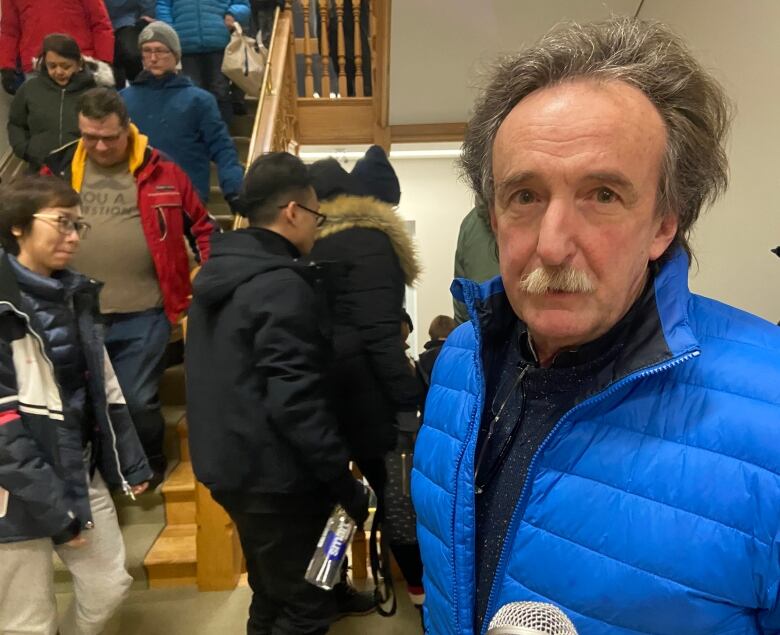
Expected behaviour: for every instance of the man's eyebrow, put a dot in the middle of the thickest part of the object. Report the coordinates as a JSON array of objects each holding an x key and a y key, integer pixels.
[
  {"x": 616, "y": 179},
  {"x": 519, "y": 178}
]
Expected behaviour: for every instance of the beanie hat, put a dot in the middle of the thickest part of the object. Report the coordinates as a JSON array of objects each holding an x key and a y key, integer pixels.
[
  {"x": 163, "y": 33},
  {"x": 330, "y": 179},
  {"x": 378, "y": 176}
]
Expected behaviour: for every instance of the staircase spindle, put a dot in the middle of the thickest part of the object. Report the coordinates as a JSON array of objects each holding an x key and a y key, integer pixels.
[
  {"x": 342, "y": 57},
  {"x": 358, "y": 40},
  {"x": 324, "y": 48},
  {"x": 309, "y": 76}
]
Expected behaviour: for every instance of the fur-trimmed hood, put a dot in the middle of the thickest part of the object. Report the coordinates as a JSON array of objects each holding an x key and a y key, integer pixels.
[{"x": 345, "y": 212}]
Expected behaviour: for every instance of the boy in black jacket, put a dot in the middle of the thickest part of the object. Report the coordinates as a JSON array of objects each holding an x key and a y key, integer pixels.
[{"x": 261, "y": 437}]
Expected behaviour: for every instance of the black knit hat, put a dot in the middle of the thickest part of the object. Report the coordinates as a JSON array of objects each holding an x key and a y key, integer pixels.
[
  {"x": 378, "y": 176},
  {"x": 330, "y": 179}
]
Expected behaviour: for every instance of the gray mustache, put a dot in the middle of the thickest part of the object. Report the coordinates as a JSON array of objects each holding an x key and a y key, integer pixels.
[{"x": 564, "y": 279}]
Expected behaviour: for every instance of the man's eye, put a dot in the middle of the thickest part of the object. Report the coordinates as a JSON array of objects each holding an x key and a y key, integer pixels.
[
  {"x": 525, "y": 197},
  {"x": 605, "y": 195}
]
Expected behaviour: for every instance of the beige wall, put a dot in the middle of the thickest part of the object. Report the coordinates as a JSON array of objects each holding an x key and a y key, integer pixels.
[{"x": 738, "y": 42}]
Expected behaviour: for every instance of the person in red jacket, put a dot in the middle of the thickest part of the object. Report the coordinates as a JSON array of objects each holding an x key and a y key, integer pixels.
[
  {"x": 24, "y": 24},
  {"x": 141, "y": 207}
]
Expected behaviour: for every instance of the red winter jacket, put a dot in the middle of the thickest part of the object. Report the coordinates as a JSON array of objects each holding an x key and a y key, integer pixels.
[
  {"x": 170, "y": 210},
  {"x": 24, "y": 24}
]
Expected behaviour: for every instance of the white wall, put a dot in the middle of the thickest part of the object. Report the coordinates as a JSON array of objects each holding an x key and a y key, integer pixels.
[{"x": 738, "y": 42}]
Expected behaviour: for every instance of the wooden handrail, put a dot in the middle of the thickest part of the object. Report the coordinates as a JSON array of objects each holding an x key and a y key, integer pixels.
[{"x": 275, "y": 126}]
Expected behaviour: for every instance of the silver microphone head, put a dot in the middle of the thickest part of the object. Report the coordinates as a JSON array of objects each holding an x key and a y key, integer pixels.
[{"x": 530, "y": 618}]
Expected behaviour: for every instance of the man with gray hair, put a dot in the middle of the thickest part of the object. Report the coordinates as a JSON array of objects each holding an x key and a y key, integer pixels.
[{"x": 597, "y": 437}]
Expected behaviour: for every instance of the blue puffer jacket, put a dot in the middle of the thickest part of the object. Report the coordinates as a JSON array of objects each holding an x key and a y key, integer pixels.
[
  {"x": 127, "y": 12},
  {"x": 652, "y": 507},
  {"x": 201, "y": 23},
  {"x": 183, "y": 121}
]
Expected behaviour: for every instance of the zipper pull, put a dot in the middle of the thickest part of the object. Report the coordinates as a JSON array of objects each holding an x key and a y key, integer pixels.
[{"x": 127, "y": 490}]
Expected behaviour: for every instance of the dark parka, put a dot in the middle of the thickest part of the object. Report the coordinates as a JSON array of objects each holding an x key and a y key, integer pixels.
[
  {"x": 43, "y": 481},
  {"x": 256, "y": 349},
  {"x": 371, "y": 380},
  {"x": 44, "y": 116}
]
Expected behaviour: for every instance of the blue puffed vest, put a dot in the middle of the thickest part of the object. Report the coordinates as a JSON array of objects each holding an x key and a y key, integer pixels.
[{"x": 652, "y": 507}]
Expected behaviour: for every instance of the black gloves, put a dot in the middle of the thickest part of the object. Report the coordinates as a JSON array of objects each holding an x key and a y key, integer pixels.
[
  {"x": 234, "y": 201},
  {"x": 9, "y": 80},
  {"x": 353, "y": 496}
]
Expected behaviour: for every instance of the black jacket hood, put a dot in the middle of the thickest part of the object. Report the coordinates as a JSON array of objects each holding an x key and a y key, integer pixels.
[{"x": 239, "y": 256}]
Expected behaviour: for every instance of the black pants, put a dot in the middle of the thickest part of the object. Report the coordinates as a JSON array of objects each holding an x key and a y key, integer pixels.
[
  {"x": 205, "y": 71},
  {"x": 127, "y": 56},
  {"x": 407, "y": 556},
  {"x": 277, "y": 548}
]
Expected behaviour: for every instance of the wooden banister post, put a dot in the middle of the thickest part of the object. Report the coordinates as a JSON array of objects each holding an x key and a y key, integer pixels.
[
  {"x": 341, "y": 51},
  {"x": 381, "y": 62},
  {"x": 358, "y": 41},
  {"x": 324, "y": 48},
  {"x": 309, "y": 77},
  {"x": 218, "y": 547}
]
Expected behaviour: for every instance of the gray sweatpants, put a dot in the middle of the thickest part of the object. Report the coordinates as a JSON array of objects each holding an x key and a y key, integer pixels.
[{"x": 100, "y": 580}]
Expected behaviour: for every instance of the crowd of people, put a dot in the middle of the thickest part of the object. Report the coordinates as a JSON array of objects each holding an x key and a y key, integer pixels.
[{"x": 578, "y": 420}]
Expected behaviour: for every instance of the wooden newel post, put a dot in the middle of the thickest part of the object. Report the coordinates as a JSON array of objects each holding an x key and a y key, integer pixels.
[{"x": 219, "y": 550}]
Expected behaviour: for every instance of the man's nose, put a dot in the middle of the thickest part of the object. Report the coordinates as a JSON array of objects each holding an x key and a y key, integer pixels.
[{"x": 556, "y": 244}]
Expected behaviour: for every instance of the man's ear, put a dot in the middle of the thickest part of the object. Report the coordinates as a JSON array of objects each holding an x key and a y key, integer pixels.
[
  {"x": 664, "y": 236},
  {"x": 17, "y": 231},
  {"x": 290, "y": 213}
]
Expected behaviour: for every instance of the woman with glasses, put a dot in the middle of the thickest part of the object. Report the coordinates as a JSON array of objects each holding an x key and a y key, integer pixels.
[
  {"x": 44, "y": 111},
  {"x": 65, "y": 432}
]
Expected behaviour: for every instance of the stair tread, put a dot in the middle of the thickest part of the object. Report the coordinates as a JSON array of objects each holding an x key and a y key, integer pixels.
[
  {"x": 176, "y": 544},
  {"x": 181, "y": 479}
]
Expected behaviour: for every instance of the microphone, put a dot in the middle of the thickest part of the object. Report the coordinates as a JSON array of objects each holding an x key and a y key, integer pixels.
[{"x": 530, "y": 618}]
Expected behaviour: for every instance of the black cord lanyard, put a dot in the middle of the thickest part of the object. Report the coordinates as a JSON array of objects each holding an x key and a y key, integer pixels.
[{"x": 479, "y": 487}]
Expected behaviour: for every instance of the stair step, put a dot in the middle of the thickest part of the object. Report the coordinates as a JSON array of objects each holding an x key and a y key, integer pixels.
[
  {"x": 178, "y": 490},
  {"x": 173, "y": 391},
  {"x": 172, "y": 560},
  {"x": 138, "y": 539},
  {"x": 183, "y": 434}
]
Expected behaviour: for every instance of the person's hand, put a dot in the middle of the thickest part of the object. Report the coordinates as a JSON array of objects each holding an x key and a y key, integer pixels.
[
  {"x": 356, "y": 505},
  {"x": 139, "y": 489},
  {"x": 230, "y": 22},
  {"x": 78, "y": 541},
  {"x": 8, "y": 80},
  {"x": 146, "y": 18}
]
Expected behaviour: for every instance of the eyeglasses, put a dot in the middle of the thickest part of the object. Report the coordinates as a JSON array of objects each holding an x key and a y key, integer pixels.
[
  {"x": 65, "y": 224},
  {"x": 321, "y": 218},
  {"x": 161, "y": 52},
  {"x": 94, "y": 138}
]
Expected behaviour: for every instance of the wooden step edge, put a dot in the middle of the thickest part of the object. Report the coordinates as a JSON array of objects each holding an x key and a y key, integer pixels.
[
  {"x": 180, "y": 480},
  {"x": 172, "y": 559}
]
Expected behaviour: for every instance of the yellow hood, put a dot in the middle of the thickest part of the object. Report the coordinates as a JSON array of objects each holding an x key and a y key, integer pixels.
[{"x": 137, "y": 144}]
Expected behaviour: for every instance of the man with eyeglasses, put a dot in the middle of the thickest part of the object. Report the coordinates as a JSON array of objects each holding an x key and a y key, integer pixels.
[
  {"x": 261, "y": 436},
  {"x": 181, "y": 119},
  {"x": 141, "y": 207}
]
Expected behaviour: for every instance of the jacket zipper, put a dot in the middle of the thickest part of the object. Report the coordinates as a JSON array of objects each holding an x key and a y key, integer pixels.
[
  {"x": 125, "y": 485},
  {"x": 477, "y": 408},
  {"x": 517, "y": 515},
  {"x": 62, "y": 106}
]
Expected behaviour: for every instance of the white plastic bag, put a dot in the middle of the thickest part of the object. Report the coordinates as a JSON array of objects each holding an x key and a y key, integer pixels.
[{"x": 244, "y": 61}]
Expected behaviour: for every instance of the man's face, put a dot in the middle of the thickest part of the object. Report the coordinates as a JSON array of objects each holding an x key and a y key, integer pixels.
[
  {"x": 105, "y": 140},
  {"x": 576, "y": 170},
  {"x": 157, "y": 58},
  {"x": 306, "y": 222}
]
